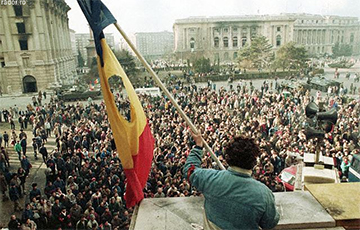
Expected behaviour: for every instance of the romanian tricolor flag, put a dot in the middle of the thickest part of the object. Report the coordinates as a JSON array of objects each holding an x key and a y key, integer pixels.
[
  {"x": 96, "y": 81},
  {"x": 134, "y": 141}
]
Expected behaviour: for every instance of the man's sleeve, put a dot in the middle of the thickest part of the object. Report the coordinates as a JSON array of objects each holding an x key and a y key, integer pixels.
[
  {"x": 193, "y": 161},
  {"x": 198, "y": 177},
  {"x": 271, "y": 216}
]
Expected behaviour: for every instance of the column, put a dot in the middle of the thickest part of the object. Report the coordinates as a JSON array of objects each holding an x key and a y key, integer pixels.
[
  {"x": 55, "y": 38},
  {"x": 47, "y": 41},
  {"x": 35, "y": 33},
  {"x": 8, "y": 45}
]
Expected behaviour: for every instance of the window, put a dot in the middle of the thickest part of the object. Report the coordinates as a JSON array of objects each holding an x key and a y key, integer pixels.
[
  {"x": 352, "y": 38},
  {"x": 235, "y": 55},
  {"x": 235, "y": 29},
  {"x": 278, "y": 40},
  {"x": 226, "y": 56},
  {"x": 23, "y": 44},
  {"x": 243, "y": 41},
  {"x": 235, "y": 42},
  {"x": 20, "y": 28},
  {"x": 2, "y": 64},
  {"x": 226, "y": 30},
  {"x": 192, "y": 43},
  {"x": 216, "y": 42},
  {"x": 226, "y": 42},
  {"x": 278, "y": 29},
  {"x": 18, "y": 10}
]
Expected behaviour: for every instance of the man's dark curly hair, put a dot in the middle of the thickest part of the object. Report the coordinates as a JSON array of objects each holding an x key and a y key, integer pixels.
[{"x": 242, "y": 152}]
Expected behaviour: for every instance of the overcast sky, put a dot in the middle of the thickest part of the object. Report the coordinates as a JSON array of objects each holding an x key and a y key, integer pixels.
[{"x": 159, "y": 15}]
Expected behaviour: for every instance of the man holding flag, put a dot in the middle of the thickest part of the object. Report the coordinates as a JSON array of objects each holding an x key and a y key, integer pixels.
[
  {"x": 133, "y": 139},
  {"x": 233, "y": 199}
]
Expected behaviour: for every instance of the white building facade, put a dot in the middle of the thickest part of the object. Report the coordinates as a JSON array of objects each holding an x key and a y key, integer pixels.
[
  {"x": 35, "y": 46},
  {"x": 221, "y": 38}
]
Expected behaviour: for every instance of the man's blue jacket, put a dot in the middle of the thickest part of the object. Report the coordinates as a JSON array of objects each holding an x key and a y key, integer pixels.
[{"x": 233, "y": 199}]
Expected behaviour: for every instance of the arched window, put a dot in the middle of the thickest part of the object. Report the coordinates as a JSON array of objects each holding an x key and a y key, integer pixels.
[
  {"x": 278, "y": 40},
  {"x": 235, "y": 42},
  {"x": 192, "y": 43},
  {"x": 226, "y": 42},
  {"x": 216, "y": 42},
  {"x": 243, "y": 41},
  {"x": 29, "y": 84}
]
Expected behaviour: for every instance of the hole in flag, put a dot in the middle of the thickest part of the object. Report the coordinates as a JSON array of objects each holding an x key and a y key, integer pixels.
[{"x": 121, "y": 99}]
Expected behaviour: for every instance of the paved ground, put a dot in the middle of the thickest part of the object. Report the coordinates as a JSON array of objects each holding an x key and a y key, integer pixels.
[{"x": 37, "y": 173}]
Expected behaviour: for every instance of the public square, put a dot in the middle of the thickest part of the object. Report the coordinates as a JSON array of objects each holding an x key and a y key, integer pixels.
[{"x": 257, "y": 125}]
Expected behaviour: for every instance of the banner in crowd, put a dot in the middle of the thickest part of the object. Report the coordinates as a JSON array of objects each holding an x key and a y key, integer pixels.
[{"x": 133, "y": 139}]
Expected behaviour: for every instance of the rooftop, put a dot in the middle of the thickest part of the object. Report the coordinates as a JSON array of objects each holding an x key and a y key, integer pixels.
[{"x": 266, "y": 17}]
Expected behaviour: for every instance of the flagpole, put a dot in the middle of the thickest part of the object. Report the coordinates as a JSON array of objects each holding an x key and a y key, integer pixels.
[{"x": 167, "y": 93}]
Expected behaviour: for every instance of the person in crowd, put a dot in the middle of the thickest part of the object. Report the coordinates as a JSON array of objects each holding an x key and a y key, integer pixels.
[
  {"x": 3, "y": 187},
  {"x": 82, "y": 223},
  {"x": 28, "y": 225},
  {"x": 44, "y": 153},
  {"x": 21, "y": 174},
  {"x": 35, "y": 192},
  {"x": 15, "y": 196},
  {"x": 17, "y": 148},
  {"x": 26, "y": 165},
  {"x": 14, "y": 223},
  {"x": 6, "y": 139},
  {"x": 23, "y": 145},
  {"x": 4, "y": 157}
]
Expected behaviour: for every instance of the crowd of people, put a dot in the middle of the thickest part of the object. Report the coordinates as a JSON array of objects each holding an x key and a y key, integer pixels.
[{"x": 85, "y": 183}]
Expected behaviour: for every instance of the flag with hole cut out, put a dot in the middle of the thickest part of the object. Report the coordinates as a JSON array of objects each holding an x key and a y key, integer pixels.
[{"x": 133, "y": 139}]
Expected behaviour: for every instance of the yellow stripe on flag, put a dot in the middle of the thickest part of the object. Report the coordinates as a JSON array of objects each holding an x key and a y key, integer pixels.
[{"x": 126, "y": 134}]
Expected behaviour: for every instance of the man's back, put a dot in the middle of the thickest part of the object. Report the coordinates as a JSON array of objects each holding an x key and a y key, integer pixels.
[{"x": 233, "y": 200}]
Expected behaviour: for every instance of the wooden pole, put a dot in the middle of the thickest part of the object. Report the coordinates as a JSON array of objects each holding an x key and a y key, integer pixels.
[{"x": 167, "y": 93}]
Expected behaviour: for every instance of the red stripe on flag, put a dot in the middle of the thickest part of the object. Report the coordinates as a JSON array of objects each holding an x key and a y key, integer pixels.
[{"x": 137, "y": 177}]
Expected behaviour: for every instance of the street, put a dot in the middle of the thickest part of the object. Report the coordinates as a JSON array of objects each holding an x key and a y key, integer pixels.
[{"x": 37, "y": 173}]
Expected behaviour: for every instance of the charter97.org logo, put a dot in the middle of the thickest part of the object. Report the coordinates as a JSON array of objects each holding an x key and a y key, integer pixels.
[{"x": 13, "y": 2}]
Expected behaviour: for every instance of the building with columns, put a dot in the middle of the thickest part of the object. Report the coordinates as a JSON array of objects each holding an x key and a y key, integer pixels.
[
  {"x": 35, "y": 46},
  {"x": 221, "y": 38},
  {"x": 318, "y": 34}
]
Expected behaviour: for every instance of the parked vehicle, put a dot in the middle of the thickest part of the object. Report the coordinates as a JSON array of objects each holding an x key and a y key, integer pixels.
[
  {"x": 322, "y": 83},
  {"x": 77, "y": 93}
]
